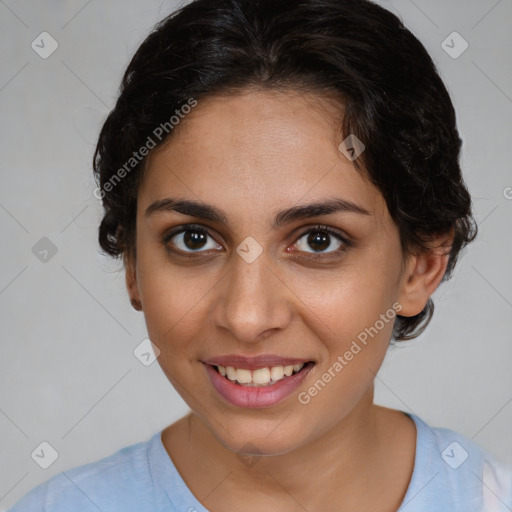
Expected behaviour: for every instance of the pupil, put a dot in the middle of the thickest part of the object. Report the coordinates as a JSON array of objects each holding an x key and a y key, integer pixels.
[
  {"x": 319, "y": 241},
  {"x": 194, "y": 239}
]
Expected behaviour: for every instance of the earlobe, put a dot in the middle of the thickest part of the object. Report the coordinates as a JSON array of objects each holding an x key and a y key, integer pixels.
[
  {"x": 131, "y": 282},
  {"x": 136, "y": 304},
  {"x": 423, "y": 274}
]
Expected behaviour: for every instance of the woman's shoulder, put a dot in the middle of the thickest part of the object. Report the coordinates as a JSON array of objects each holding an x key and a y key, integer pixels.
[
  {"x": 452, "y": 469},
  {"x": 120, "y": 481}
]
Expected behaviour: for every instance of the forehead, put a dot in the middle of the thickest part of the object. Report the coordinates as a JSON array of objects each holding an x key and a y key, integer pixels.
[{"x": 265, "y": 149}]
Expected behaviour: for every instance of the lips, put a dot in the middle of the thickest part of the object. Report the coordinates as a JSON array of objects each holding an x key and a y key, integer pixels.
[{"x": 267, "y": 392}]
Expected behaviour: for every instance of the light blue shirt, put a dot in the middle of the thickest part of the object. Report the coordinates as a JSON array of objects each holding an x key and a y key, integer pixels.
[{"x": 451, "y": 474}]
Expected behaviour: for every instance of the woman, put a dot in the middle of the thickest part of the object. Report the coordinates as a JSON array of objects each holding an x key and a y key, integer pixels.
[{"x": 282, "y": 182}]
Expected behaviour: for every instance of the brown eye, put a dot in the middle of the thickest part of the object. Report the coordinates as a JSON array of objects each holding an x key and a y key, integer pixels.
[
  {"x": 191, "y": 239},
  {"x": 194, "y": 240},
  {"x": 318, "y": 241},
  {"x": 321, "y": 240}
]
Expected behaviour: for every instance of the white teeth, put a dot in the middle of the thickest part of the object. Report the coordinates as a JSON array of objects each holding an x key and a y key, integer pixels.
[
  {"x": 276, "y": 373},
  {"x": 243, "y": 376},
  {"x": 288, "y": 370},
  {"x": 261, "y": 376}
]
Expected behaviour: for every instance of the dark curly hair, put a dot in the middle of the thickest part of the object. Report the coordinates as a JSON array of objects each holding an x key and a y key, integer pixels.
[{"x": 394, "y": 102}]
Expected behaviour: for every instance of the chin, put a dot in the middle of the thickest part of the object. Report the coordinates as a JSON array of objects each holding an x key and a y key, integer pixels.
[{"x": 252, "y": 437}]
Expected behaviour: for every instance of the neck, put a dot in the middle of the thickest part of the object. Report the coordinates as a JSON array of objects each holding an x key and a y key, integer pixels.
[
  {"x": 340, "y": 447},
  {"x": 348, "y": 460}
]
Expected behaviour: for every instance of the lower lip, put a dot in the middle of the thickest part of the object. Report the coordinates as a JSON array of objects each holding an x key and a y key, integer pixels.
[{"x": 256, "y": 396}]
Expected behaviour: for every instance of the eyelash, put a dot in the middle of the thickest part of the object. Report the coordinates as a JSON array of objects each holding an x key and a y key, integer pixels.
[{"x": 319, "y": 228}]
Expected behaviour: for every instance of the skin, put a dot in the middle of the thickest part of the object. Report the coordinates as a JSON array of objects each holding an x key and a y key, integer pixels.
[{"x": 251, "y": 155}]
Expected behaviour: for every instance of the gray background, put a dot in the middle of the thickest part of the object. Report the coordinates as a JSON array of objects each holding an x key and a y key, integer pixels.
[{"x": 68, "y": 375}]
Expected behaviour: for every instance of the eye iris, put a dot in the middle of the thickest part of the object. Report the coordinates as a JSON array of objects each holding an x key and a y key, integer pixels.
[
  {"x": 194, "y": 239},
  {"x": 318, "y": 240}
]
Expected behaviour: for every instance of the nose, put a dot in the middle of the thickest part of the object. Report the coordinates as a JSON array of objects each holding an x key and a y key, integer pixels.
[{"x": 252, "y": 301}]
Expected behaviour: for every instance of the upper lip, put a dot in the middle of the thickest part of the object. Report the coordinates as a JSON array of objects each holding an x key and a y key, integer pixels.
[{"x": 253, "y": 363}]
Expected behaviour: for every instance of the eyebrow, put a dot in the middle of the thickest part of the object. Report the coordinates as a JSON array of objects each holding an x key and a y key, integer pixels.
[{"x": 209, "y": 212}]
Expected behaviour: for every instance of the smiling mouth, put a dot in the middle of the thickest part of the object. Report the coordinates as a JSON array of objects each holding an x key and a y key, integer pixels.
[{"x": 260, "y": 377}]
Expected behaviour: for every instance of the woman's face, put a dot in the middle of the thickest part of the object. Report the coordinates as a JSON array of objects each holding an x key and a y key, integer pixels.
[{"x": 256, "y": 276}]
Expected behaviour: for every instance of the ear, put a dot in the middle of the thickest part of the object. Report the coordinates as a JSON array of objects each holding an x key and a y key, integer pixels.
[
  {"x": 423, "y": 273},
  {"x": 131, "y": 280}
]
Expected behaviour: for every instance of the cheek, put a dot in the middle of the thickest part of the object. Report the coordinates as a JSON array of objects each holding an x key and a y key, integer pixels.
[
  {"x": 175, "y": 301},
  {"x": 343, "y": 304},
  {"x": 355, "y": 329}
]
